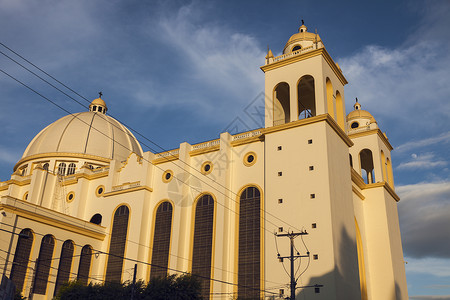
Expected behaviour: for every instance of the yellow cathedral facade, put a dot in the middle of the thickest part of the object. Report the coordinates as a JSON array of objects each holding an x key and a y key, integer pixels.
[{"x": 86, "y": 203}]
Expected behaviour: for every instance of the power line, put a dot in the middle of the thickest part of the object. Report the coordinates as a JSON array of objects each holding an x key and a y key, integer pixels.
[{"x": 132, "y": 129}]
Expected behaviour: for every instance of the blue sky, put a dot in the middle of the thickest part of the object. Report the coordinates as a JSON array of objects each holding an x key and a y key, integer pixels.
[{"x": 184, "y": 70}]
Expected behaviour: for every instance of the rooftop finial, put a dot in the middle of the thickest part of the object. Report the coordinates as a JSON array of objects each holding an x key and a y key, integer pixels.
[
  {"x": 303, "y": 22},
  {"x": 100, "y": 94},
  {"x": 356, "y": 99}
]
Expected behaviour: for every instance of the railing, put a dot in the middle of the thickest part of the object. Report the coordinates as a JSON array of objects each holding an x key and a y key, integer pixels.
[
  {"x": 295, "y": 53},
  {"x": 126, "y": 186},
  {"x": 205, "y": 145},
  {"x": 246, "y": 135},
  {"x": 168, "y": 153}
]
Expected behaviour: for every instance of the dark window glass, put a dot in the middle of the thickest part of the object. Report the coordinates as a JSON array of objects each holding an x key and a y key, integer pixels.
[
  {"x": 117, "y": 244},
  {"x": 71, "y": 169},
  {"x": 250, "y": 158},
  {"x": 296, "y": 48},
  {"x": 46, "y": 166},
  {"x": 161, "y": 240},
  {"x": 43, "y": 265},
  {"x": 203, "y": 232},
  {"x": 62, "y": 169},
  {"x": 21, "y": 258},
  {"x": 249, "y": 261},
  {"x": 168, "y": 175},
  {"x": 207, "y": 167},
  {"x": 96, "y": 219},
  {"x": 85, "y": 264},
  {"x": 65, "y": 264},
  {"x": 355, "y": 125}
]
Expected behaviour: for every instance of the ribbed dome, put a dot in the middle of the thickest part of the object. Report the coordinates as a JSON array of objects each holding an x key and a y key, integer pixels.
[
  {"x": 303, "y": 38},
  {"x": 90, "y": 133}
]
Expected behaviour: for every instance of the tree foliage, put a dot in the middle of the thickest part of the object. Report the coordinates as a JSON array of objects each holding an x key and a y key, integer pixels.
[{"x": 183, "y": 287}]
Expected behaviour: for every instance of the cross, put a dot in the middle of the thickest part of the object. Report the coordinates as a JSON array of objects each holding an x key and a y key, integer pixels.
[
  {"x": 303, "y": 22},
  {"x": 100, "y": 94}
]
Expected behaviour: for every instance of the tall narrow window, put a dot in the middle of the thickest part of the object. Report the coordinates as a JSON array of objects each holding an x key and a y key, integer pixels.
[
  {"x": 306, "y": 97},
  {"x": 62, "y": 169},
  {"x": 249, "y": 261},
  {"x": 366, "y": 159},
  {"x": 43, "y": 265},
  {"x": 340, "y": 110},
  {"x": 117, "y": 244},
  {"x": 46, "y": 166},
  {"x": 65, "y": 264},
  {"x": 85, "y": 264},
  {"x": 202, "y": 250},
  {"x": 71, "y": 169},
  {"x": 161, "y": 240},
  {"x": 330, "y": 98},
  {"x": 21, "y": 258}
]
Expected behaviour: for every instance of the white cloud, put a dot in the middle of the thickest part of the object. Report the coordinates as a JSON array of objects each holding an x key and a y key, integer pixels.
[
  {"x": 424, "y": 161},
  {"x": 443, "y": 138},
  {"x": 429, "y": 265},
  {"x": 424, "y": 212}
]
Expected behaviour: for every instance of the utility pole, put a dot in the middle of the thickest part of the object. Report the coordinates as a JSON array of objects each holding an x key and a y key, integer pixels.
[
  {"x": 292, "y": 235},
  {"x": 134, "y": 280}
]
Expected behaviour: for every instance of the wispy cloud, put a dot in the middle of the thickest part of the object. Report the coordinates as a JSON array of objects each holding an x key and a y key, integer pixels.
[
  {"x": 8, "y": 155},
  {"x": 443, "y": 138},
  {"x": 423, "y": 161}
]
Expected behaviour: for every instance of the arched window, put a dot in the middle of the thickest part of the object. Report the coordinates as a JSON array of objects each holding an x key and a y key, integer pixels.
[
  {"x": 202, "y": 249},
  {"x": 340, "y": 110},
  {"x": 306, "y": 97},
  {"x": 390, "y": 173},
  {"x": 62, "y": 169},
  {"x": 330, "y": 96},
  {"x": 96, "y": 219},
  {"x": 296, "y": 47},
  {"x": 161, "y": 240},
  {"x": 117, "y": 244},
  {"x": 65, "y": 264},
  {"x": 71, "y": 169},
  {"x": 281, "y": 104},
  {"x": 46, "y": 166},
  {"x": 351, "y": 160},
  {"x": 384, "y": 166},
  {"x": 85, "y": 264},
  {"x": 249, "y": 262},
  {"x": 43, "y": 264},
  {"x": 21, "y": 258},
  {"x": 366, "y": 159}
]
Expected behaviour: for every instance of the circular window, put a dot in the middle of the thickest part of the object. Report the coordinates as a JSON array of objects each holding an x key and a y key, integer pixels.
[
  {"x": 207, "y": 167},
  {"x": 70, "y": 196},
  {"x": 25, "y": 196},
  {"x": 100, "y": 190},
  {"x": 167, "y": 176},
  {"x": 250, "y": 159},
  {"x": 355, "y": 125}
]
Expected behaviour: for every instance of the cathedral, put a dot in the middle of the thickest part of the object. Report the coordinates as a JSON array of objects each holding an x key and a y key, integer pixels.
[{"x": 307, "y": 202}]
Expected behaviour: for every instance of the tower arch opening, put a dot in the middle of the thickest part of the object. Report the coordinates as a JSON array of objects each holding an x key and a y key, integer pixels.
[
  {"x": 306, "y": 97},
  {"x": 330, "y": 96},
  {"x": 366, "y": 160},
  {"x": 340, "y": 110},
  {"x": 281, "y": 104}
]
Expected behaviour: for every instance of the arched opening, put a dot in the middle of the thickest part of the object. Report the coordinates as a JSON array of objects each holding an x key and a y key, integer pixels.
[
  {"x": 366, "y": 159},
  {"x": 390, "y": 173},
  {"x": 117, "y": 244},
  {"x": 306, "y": 97},
  {"x": 84, "y": 267},
  {"x": 161, "y": 240},
  {"x": 71, "y": 169},
  {"x": 296, "y": 48},
  {"x": 62, "y": 169},
  {"x": 281, "y": 104},
  {"x": 65, "y": 264},
  {"x": 351, "y": 160},
  {"x": 203, "y": 235},
  {"x": 361, "y": 264},
  {"x": 340, "y": 111},
  {"x": 21, "y": 258},
  {"x": 45, "y": 166},
  {"x": 330, "y": 96},
  {"x": 43, "y": 265},
  {"x": 249, "y": 261},
  {"x": 384, "y": 166},
  {"x": 96, "y": 219}
]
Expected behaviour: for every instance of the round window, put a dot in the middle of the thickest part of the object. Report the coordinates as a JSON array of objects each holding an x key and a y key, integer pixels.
[
  {"x": 100, "y": 190},
  {"x": 250, "y": 159},
  {"x": 70, "y": 196},
  {"x": 167, "y": 176},
  {"x": 355, "y": 125},
  {"x": 207, "y": 167}
]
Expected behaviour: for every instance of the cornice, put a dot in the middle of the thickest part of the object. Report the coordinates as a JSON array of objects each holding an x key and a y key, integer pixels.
[
  {"x": 204, "y": 150},
  {"x": 370, "y": 132},
  {"x": 134, "y": 189}
]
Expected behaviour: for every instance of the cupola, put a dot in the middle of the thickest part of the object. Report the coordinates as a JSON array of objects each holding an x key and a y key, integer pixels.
[{"x": 98, "y": 105}]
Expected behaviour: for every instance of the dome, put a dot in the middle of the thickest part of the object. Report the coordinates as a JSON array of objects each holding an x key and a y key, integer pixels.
[
  {"x": 359, "y": 119},
  {"x": 90, "y": 133},
  {"x": 302, "y": 39}
]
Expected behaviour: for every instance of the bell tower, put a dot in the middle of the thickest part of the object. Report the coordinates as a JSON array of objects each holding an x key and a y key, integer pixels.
[{"x": 303, "y": 82}]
